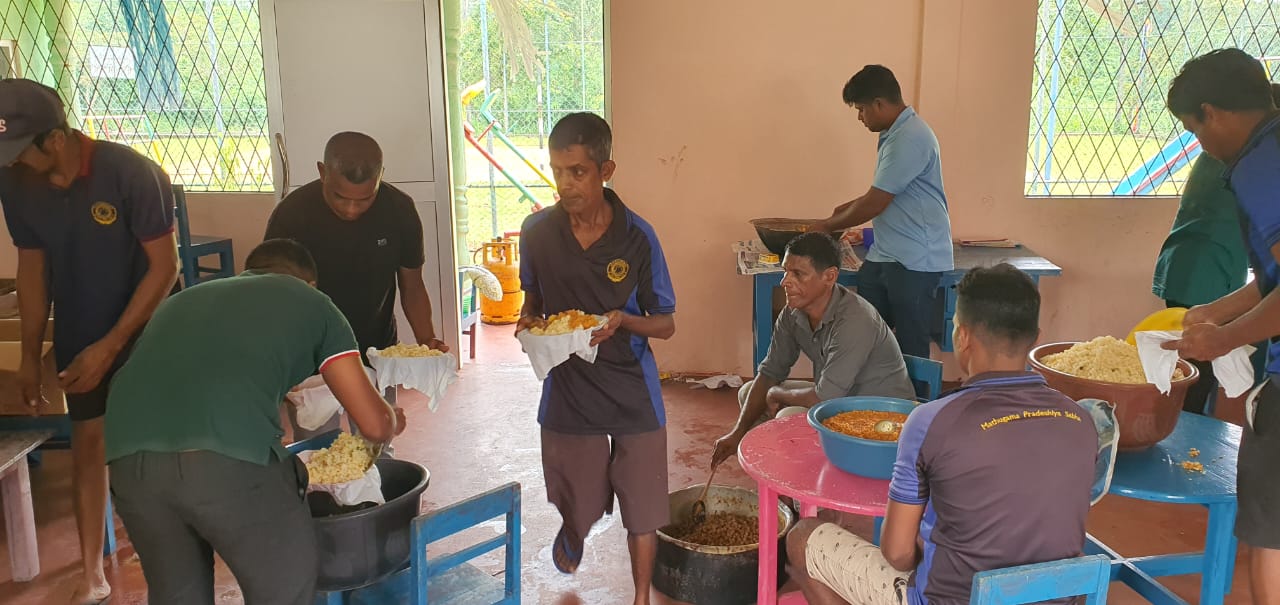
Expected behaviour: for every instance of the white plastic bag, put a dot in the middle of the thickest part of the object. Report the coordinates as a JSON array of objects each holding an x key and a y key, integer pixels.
[
  {"x": 1103, "y": 414},
  {"x": 427, "y": 375},
  {"x": 315, "y": 403},
  {"x": 365, "y": 489},
  {"x": 549, "y": 351}
]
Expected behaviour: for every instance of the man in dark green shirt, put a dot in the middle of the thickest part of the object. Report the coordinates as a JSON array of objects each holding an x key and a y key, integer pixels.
[
  {"x": 193, "y": 429},
  {"x": 1203, "y": 259}
]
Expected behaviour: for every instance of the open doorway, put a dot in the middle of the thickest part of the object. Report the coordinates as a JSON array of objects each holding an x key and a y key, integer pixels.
[
  {"x": 515, "y": 67},
  {"x": 522, "y": 65}
]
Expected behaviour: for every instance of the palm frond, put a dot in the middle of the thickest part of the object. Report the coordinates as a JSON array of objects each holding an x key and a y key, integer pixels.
[{"x": 517, "y": 37}]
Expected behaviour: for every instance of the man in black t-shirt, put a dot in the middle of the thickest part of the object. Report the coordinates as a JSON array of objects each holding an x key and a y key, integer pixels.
[{"x": 366, "y": 238}]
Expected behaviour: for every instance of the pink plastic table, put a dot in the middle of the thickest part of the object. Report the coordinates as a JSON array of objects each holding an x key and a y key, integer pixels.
[{"x": 785, "y": 459}]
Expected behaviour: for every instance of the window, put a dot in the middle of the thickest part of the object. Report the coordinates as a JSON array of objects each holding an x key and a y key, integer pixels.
[
  {"x": 181, "y": 81},
  {"x": 1099, "y": 126}
]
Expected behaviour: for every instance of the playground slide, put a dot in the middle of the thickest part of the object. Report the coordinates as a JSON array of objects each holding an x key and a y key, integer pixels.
[{"x": 1177, "y": 154}]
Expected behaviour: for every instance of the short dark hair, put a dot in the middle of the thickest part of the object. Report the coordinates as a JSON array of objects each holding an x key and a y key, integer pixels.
[
  {"x": 816, "y": 246},
  {"x": 873, "y": 82},
  {"x": 586, "y": 129},
  {"x": 1000, "y": 303},
  {"x": 1227, "y": 78},
  {"x": 284, "y": 256},
  {"x": 39, "y": 139},
  {"x": 354, "y": 155}
]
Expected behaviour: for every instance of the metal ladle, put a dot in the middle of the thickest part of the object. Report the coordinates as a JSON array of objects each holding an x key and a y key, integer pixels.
[
  {"x": 375, "y": 452},
  {"x": 699, "y": 512}
]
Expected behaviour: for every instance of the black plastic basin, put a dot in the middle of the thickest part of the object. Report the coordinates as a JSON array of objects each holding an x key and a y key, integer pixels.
[{"x": 359, "y": 548}]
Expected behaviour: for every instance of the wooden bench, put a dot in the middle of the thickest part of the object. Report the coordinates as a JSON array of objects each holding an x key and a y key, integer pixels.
[{"x": 15, "y": 488}]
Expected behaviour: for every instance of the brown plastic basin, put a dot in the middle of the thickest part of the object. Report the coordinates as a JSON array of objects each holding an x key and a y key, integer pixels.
[{"x": 1144, "y": 414}]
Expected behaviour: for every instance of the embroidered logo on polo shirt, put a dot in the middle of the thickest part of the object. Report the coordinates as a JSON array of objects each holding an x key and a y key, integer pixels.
[
  {"x": 103, "y": 213},
  {"x": 617, "y": 270},
  {"x": 382, "y": 242}
]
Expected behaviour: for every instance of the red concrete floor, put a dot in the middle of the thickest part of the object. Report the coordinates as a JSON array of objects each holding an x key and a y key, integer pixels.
[{"x": 484, "y": 434}]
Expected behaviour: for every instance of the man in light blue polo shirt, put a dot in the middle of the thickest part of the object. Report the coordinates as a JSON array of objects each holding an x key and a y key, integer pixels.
[{"x": 906, "y": 203}]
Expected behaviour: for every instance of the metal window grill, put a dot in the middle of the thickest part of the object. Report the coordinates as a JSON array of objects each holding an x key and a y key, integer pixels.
[
  {"x": 1099, "y": 126},
  {"x": 181, "y": 81}
]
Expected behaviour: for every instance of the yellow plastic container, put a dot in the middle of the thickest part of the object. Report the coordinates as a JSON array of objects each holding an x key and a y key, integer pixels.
[
  {"x": 1164, "y": 320},
  {"x": 502, "y": 258}
]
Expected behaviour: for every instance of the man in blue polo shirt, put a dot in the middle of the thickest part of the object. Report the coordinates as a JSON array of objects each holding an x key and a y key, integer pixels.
[
  {"x": 603, "y": 423},
  {"x": 971, "y": 489},
  {"x": 912, "y": 247},
  {"x": 94, "y": 219},
  {"x": 1224, "y": 98}
]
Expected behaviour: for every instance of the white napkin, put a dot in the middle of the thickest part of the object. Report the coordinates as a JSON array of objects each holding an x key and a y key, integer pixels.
[
  {"x": 315, "y": 403},
  {"x": 427, "y": 375},
  {"x": 365, "y": 489},
  {"x": 1234, "y": 370},
  {"x": 546, "y": 352},
  {"x": 722, "y": 380}
]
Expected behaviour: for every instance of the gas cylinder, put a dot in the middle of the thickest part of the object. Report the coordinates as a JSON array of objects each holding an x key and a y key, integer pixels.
[{"x": 502, "y": 258}]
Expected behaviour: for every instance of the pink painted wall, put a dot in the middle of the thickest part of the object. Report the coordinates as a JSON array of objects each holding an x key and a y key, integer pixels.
[{"x": 726, "y": 112}]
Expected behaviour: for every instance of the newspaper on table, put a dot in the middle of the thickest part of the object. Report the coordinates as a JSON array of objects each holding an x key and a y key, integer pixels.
[{"x": 748, "y": 256}]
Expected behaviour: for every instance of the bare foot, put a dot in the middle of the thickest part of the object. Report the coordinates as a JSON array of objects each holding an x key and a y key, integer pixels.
[{"x": 95, "y": 594}]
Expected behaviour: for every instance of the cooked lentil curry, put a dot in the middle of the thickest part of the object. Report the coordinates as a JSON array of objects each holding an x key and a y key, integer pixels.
[
  {"x": 862, "y": 424},
  {"x": 718, "y": 529}
]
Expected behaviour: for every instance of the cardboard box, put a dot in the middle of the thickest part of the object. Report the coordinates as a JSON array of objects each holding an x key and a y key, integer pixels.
[
  {"x": 11, "y": 330},
  {"x": 11, "y": 403}
]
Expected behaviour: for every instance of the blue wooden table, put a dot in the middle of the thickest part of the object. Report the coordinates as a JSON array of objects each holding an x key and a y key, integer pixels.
[
  {"x": 966, "y": 258},
  {"x": 1157, "y": 475}
]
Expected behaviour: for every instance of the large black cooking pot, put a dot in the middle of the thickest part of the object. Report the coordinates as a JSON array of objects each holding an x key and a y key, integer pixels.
[{"x": 715, "y": 575}]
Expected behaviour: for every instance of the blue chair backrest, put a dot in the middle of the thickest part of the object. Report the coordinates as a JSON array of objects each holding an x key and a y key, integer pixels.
[
  {"x": 1088, "y": 576},
  {"x": 444, "y": 522},
  {"x": 320, "y": 441},
  {"x": 180, "y": 214},
  {"x": 926, "y": 377}
]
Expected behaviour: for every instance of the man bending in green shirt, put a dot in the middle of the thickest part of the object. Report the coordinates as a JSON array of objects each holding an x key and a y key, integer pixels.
[{"x": 193, "y": 435}]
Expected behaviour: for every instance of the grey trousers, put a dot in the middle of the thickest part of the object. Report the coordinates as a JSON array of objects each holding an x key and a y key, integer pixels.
[{"x": 181, "y": 508}]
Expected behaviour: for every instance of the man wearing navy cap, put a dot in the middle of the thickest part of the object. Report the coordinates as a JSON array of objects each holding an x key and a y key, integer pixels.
[{"x": 93, "y": 223}]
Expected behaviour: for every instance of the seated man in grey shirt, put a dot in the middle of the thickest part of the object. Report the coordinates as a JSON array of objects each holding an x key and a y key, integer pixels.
[{"x": 852, "y": 349}]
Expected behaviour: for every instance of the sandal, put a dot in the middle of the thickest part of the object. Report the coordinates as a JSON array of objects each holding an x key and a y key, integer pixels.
[{"x": 563, "y": 556}]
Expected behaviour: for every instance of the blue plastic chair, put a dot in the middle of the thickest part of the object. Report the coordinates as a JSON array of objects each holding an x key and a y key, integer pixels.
[
  {"x": 191, "y": 248},
  {"x": 1088, "y": 576},
  {"x": 448, "y": 579},
  {"x": 926, "y": 377}
]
